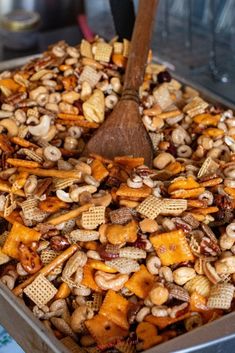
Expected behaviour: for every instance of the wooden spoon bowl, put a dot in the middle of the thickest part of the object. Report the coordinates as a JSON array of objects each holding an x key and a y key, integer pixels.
[{"x": 123, "y": 132}]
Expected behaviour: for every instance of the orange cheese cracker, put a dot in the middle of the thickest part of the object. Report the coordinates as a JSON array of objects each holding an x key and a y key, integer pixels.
[
  {"x": 115, "y": 308},
  {"x": 126, "y": 191},
  {"x": 104, "y": 331},
  {"x": 99, "y": 172},
  {"x": 172, "y": 247},
  {"x": 141, "y": 282}
]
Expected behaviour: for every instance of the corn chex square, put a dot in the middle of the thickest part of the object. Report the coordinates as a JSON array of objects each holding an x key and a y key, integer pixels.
[
  {"x": 103, "y": 52},
  {"x": 85, "y": 49},
  {"x": 118, "y": 47},
  {"x": 126, "y": 48},
  {"x": 40, "y": 291},
  {"x": 151, "y": 207},
  {"x": 208, "y": 167},
  {"x": 90, "y": 75},
  {"x": 92, "y": 218},
  {"x": 195, "y": 107}
]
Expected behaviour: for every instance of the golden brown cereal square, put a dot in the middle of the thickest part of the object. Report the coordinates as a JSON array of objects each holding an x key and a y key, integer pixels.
[
  {"x": 40, "y": 291},
  {"x": 103, "y": 52},
  {"x": 93, "y": 217},
  {"x": 85, "y": 49}
]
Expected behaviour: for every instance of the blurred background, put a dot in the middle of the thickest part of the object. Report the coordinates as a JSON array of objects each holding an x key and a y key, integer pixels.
[{"x": 194, "y": 38}]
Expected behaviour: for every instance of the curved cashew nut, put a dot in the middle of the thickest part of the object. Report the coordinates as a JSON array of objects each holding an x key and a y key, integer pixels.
[
  {"x": 9, "y": 281},
  {"x": 11, "y": 126},
  {"x": 63, "y": 196},
  {"x": 42, "y": 128},
  {"x": 51, "y": 134},
  {"x": 76, "y": 191},
  {"x": 110, "y": 281},
  {"x": 103, "y": 200}
]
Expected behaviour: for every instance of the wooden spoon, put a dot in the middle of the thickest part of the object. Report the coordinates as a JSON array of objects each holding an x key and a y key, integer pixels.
[{"x": 123, "y": 132}]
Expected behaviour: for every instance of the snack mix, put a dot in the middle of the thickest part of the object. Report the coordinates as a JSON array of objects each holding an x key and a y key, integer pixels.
[{"x": 111, "y": 255}]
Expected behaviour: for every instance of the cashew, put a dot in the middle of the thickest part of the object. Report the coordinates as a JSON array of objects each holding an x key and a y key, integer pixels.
[
  {"x": 20, "y": 270},
  {"x": 77, "y": 190},
  {"x": 42, "y": 128},
  {"x": 11, "y": 126},
  {"x": 103, "y": 200},
  {"x": 50, "y": 134},
  {"x": 110, "y": 281},
  {"x": 91, "y": 181},
  {"x": 159, "y": 311},
  {"x": 142, "y": 313},
  {"x": 79, "y": 315},
  {"x": 9, "y": 281}
]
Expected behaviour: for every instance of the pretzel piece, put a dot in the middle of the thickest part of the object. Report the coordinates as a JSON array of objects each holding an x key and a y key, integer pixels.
[
  {"x": 60, "y": 259},
  {"x": 115, "y": 308},
  {"x": 54, "y": 173},
  {"x": 22, "y": 163},
  {"x": 69, "y": 215}
]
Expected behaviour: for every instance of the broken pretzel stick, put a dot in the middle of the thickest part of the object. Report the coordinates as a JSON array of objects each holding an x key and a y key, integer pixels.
[
  {"x": 22, "y": 142},
  {"x": 62, "y": 174},
  {"x": 47, "y": 269},
  {"x": 23, "y": 163},
  {"x": 69, "y": 215}
]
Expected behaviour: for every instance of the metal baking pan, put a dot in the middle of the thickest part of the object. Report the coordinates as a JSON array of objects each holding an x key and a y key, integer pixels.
[{"x": 215, "y": 337}]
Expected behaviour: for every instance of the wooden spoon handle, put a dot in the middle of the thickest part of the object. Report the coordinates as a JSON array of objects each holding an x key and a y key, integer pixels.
[{"x": 139, "y": 48}]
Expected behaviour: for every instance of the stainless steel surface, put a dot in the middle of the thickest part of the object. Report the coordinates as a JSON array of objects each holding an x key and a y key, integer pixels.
[
  {"x": 22, "y": 325},
  {"x": 30, "y": 333}
]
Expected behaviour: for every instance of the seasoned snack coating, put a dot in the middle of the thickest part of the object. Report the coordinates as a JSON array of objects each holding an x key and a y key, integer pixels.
[{"x": 110, "y": 254}]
